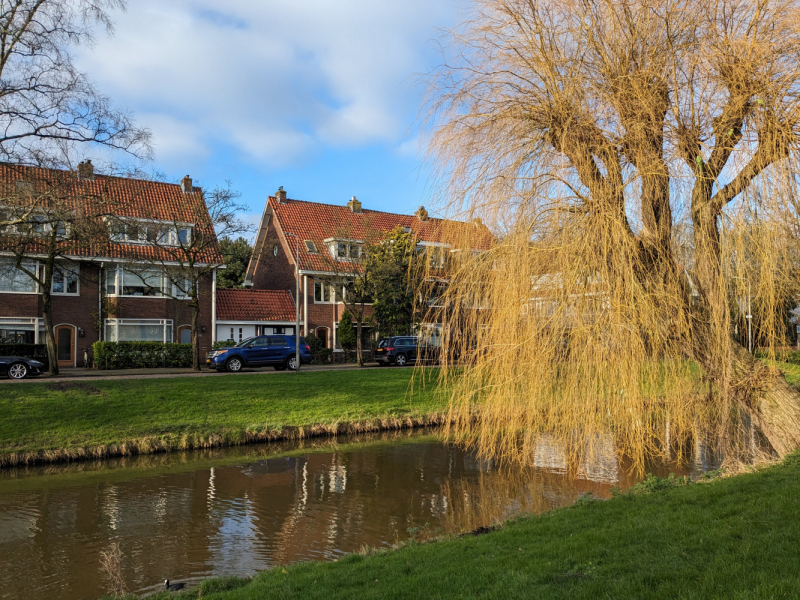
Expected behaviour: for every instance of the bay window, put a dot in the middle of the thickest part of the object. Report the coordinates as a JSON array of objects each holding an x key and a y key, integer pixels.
[{"x": 138, "y": 330}]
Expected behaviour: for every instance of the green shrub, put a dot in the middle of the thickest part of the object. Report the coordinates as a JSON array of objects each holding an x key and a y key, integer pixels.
[
  {"x": 138, "y": 355},
  {"x": 223, "y": 344},
  {"x": 314, "y": 343},
  {"x": 37, "y": 351}
]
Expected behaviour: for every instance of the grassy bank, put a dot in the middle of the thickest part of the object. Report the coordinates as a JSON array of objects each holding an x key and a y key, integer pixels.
[
  {"x": 49, "y": 421},
  {"x": 729, "y": 538}
]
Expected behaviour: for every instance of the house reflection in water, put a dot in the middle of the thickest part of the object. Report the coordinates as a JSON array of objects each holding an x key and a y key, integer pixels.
[{"x": 239, "y": 511}]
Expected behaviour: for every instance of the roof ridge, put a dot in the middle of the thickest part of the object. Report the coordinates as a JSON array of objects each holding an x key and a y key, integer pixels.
[
  {"x": 96, "y": 175},
  {"x": 363, "y": 210}
]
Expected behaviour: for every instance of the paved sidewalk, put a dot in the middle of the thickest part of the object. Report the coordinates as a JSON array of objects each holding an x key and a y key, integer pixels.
[{"x": 116, "y": 374}]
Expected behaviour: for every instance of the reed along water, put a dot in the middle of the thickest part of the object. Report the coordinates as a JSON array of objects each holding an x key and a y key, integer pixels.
[{"x": 237, "y": 511}]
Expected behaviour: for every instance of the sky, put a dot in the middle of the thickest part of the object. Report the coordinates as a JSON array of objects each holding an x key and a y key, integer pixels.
[{"x": 319, "y": 97}]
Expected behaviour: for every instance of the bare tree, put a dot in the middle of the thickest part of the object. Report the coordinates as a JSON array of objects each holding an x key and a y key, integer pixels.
[
  {"x": 48, "y": 107},
  {"x": 588, "y": 130},
  {"x": 186, "y": 249}
]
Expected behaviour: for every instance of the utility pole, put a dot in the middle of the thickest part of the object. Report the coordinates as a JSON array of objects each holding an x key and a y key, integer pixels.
[{"x": 296, "y": 300}]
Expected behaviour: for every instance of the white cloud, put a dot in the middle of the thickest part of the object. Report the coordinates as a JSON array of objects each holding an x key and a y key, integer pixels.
[{"x": 276, "y": 80}]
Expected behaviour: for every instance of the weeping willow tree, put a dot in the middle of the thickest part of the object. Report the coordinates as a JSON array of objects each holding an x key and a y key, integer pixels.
[{"x": 637, "y": 161}]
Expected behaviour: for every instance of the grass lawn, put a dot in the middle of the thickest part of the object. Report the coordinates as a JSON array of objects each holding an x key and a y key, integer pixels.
[
  {"x": 730, "y": 538},
  {"x": 67, "y": 419}
]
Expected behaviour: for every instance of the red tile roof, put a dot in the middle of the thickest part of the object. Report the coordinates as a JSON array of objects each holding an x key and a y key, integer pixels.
[
  {"x": 255, "y": 305},
  {"x": 112, "y": 196},
  {"x": 317, "y": 222}
]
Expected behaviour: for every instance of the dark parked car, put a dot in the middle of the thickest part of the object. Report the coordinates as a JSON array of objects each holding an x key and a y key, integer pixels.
[
  {"x": 402, "y": 350},
  {"x": 277, "y": 351},
  {"x": 19, "y": 367}
]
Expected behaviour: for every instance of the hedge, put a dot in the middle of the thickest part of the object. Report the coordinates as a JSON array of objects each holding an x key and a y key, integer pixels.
[
  {"x": 138, "y": 355},
  {"x": 37, "y": 351}
]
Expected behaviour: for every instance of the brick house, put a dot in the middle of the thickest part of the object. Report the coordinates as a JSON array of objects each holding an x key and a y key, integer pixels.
[
  {"x": 326, "y": 234},
  {"x": 95, "y": 294}
]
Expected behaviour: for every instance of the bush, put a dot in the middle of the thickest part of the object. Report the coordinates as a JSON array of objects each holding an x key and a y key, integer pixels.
[
  {"x": 314, "y": 343},
  {"x": 138, "y": 355},
  {"x": 223, "y": 344},
  {"x": 37, "y": 351}
]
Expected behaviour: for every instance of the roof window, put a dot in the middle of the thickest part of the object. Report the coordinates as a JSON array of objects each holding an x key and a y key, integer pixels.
[{"x": 311, "y": 246}]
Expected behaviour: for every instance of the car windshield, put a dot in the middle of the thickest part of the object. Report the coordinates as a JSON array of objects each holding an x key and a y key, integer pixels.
[{"x": 244, "y": 343}]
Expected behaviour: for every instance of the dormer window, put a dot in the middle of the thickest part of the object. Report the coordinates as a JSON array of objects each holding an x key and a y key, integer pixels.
[
  {"x": 344, "y": 250},
  {"x": 311, "y": 247},
  {"x": 157, "y": 233}
]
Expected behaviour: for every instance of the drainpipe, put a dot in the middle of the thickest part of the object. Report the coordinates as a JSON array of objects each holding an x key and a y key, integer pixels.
[
  {"x": 213, "y": 306},
  {"x": 305, "y": 305},
  {"x": 101, "y": 281}
]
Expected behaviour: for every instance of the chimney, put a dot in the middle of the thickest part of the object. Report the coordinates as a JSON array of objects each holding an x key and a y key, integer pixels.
[
  {"x": 186, "y": 185},
  {"x": 421, "y": 214},
  {"x": 281, "y": 195},
  {"x": 354, "y": 205},
  {"x": 86, "y": 170}
]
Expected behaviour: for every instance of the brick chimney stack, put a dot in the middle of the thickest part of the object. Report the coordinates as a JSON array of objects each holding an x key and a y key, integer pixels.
[
  {"x": 86, "y": 170},
  {"x": 281, "y": 195},
  {"x": 421, "y": 214},
  {"x": 354, "y": 205},
  {"x": 186, "y": 185}
]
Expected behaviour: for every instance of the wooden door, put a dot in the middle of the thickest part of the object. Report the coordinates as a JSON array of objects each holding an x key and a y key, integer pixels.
[
  {"x": 322, "y": 334},
  {"x": 65, "y": 345}
]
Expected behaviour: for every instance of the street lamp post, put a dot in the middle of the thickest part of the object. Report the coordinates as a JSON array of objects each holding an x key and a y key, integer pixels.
[
  {"x": 297, "y": 359},
  {"x": 749, "y": 317}
]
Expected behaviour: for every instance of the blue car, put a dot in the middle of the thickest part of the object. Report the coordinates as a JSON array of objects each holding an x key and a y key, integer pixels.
[{"x": 276, "y": 351}]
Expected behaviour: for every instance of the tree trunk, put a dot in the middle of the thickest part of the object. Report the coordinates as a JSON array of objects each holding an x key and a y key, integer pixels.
[
  {"x": 358, "y": 337},
  {"x": 195, "y": 335},
  {"x": 772, "y": 404},
  {"x": 49, "y": 337},
  {"x": 47, "y": 313}
]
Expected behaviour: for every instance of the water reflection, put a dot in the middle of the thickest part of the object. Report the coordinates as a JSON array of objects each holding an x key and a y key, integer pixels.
[{"x": 241, "y": 510}]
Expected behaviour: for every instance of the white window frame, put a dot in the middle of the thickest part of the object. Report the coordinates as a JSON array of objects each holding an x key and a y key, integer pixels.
[
  {"x": 333, "y": 248},
  {"x": 119, "y": 280},
  {"x": 442, "y": 250},
  {"x": 74, "y": 268},
  {"x": 35, "y": 322},
  {"x": 117, "y": 322},
  {"x": 173, "y": 232},
  {"x": 32, "y": 265}
]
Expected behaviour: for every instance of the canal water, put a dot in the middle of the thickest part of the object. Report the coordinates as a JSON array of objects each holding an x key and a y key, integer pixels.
[{"x": 237, "y": 511}]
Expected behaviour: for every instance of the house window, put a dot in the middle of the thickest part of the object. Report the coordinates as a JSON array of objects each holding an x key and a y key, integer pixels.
[
  {"x": 279, "y": 330},
  {"x": 231, "y": 336},
  {"x": 138, "y": 330},
  {"x": 323, "y": 292},
  {"x": 15, "y": 280},
  {"x": 140, "y": 282},
  {"x": 182, "y": 288},
  {"x": 65, "y": 279},
  {"x": 160, "y": 233},
  {"x": 240, "y": 334},
  {"x": 311, "y": 247}
]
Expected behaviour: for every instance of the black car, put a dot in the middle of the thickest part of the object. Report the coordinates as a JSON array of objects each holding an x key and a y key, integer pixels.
[
  {"x": 402, "y": 350},
  {"x": 20, "y": 367}
]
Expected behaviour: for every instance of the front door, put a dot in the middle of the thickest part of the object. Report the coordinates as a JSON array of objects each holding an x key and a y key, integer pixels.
[{"x": 65, "y": 346}]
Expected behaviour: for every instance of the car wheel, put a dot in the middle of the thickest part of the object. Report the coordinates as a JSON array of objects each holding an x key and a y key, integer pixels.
[
  {"x": 234, "y": 365},
  {"x": 291, "y": 363},
  {"x": 400, "y": 360},
  {"x": 280, "y": 367},
  {"x": 18, "y": 371}
]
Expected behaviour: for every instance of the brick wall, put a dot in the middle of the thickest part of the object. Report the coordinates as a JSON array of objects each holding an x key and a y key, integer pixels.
[{"x": 81, "y": 311}]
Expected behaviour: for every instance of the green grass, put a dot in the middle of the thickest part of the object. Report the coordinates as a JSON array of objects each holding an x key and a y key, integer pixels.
[
  {"x": 64, "y": 419},
  {"x": 733, "y": 538}
]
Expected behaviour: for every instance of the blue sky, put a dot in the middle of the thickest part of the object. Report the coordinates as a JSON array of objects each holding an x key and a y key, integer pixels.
[{"x": 317, "y": 96}]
